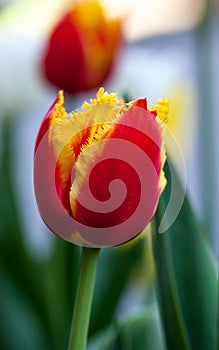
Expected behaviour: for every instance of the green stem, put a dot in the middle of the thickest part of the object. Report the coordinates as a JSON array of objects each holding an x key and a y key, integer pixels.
[{"x": 82, "y": 308}]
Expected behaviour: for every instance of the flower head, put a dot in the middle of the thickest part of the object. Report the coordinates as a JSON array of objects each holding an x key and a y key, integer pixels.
[
  {"x": 98, "y": 170},
  {"x": 81, "y": 48}
]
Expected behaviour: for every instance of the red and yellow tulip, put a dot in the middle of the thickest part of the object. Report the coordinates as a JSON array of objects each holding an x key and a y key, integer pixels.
[
  {"x": 99, "y": 170},
  {"x": 82, "y": 47}
]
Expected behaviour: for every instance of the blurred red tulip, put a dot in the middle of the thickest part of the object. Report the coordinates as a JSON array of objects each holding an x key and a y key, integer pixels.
[
  {"x": 82, "y": 48},
  {"x": 98, "y": 171}
]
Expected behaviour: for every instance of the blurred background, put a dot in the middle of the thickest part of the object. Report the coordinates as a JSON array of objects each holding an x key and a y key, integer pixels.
[{"x": 165, "y": 49}]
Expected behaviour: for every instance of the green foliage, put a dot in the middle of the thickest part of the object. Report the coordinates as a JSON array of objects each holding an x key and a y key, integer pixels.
[
  {"x": 114, "y": 269},
  {"x": 136, "y": 332},
  {"x": 186, "y": 279}
]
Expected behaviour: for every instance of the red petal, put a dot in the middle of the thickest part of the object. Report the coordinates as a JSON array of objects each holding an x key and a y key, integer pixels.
[
  {"x": 145, "y": 172},
  {"x": 142, "y": 103},
  {"x": 64, "y": 59}
]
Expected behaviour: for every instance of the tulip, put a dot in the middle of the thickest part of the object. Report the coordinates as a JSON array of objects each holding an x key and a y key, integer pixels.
[
  {"x": 81, "y": 49},
  {"x": 99, "y": 170}
]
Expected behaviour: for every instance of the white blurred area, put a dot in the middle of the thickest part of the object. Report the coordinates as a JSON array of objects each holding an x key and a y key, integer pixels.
[
  {"x": 145, "y": 18},
  {"x": 158, "y": 59},
  {"x": 141, "y": 18}
]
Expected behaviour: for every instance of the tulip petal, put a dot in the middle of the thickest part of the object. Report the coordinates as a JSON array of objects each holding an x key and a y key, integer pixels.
[
  {"x": 75, "y": 132},
  {"x": 55, "y": 112},
  {"x": 96, "y": 169}
]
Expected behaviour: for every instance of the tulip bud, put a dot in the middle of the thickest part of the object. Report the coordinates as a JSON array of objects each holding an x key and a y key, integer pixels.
[
  {"x": 98, "y": 171},
  {"x": 82, "y": 48}
]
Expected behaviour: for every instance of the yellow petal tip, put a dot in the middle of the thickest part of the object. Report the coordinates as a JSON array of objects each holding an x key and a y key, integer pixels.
[{"x": 162, "y": 109}]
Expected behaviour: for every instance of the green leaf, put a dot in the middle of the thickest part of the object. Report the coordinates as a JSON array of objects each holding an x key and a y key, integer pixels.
[
  {"x": 20, "y": 327},
  {"x": 139, "y": 331},
  {"x": 59, "y": 278},
  {"x": 16, "y": 262},
  {"x": 114, "y": 269},
  {"x": 186, "y": 278},
  {"x": 104, "y": 340}
]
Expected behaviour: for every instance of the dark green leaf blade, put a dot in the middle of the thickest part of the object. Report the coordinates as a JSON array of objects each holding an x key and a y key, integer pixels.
[{"x": 186, "y": 276}]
